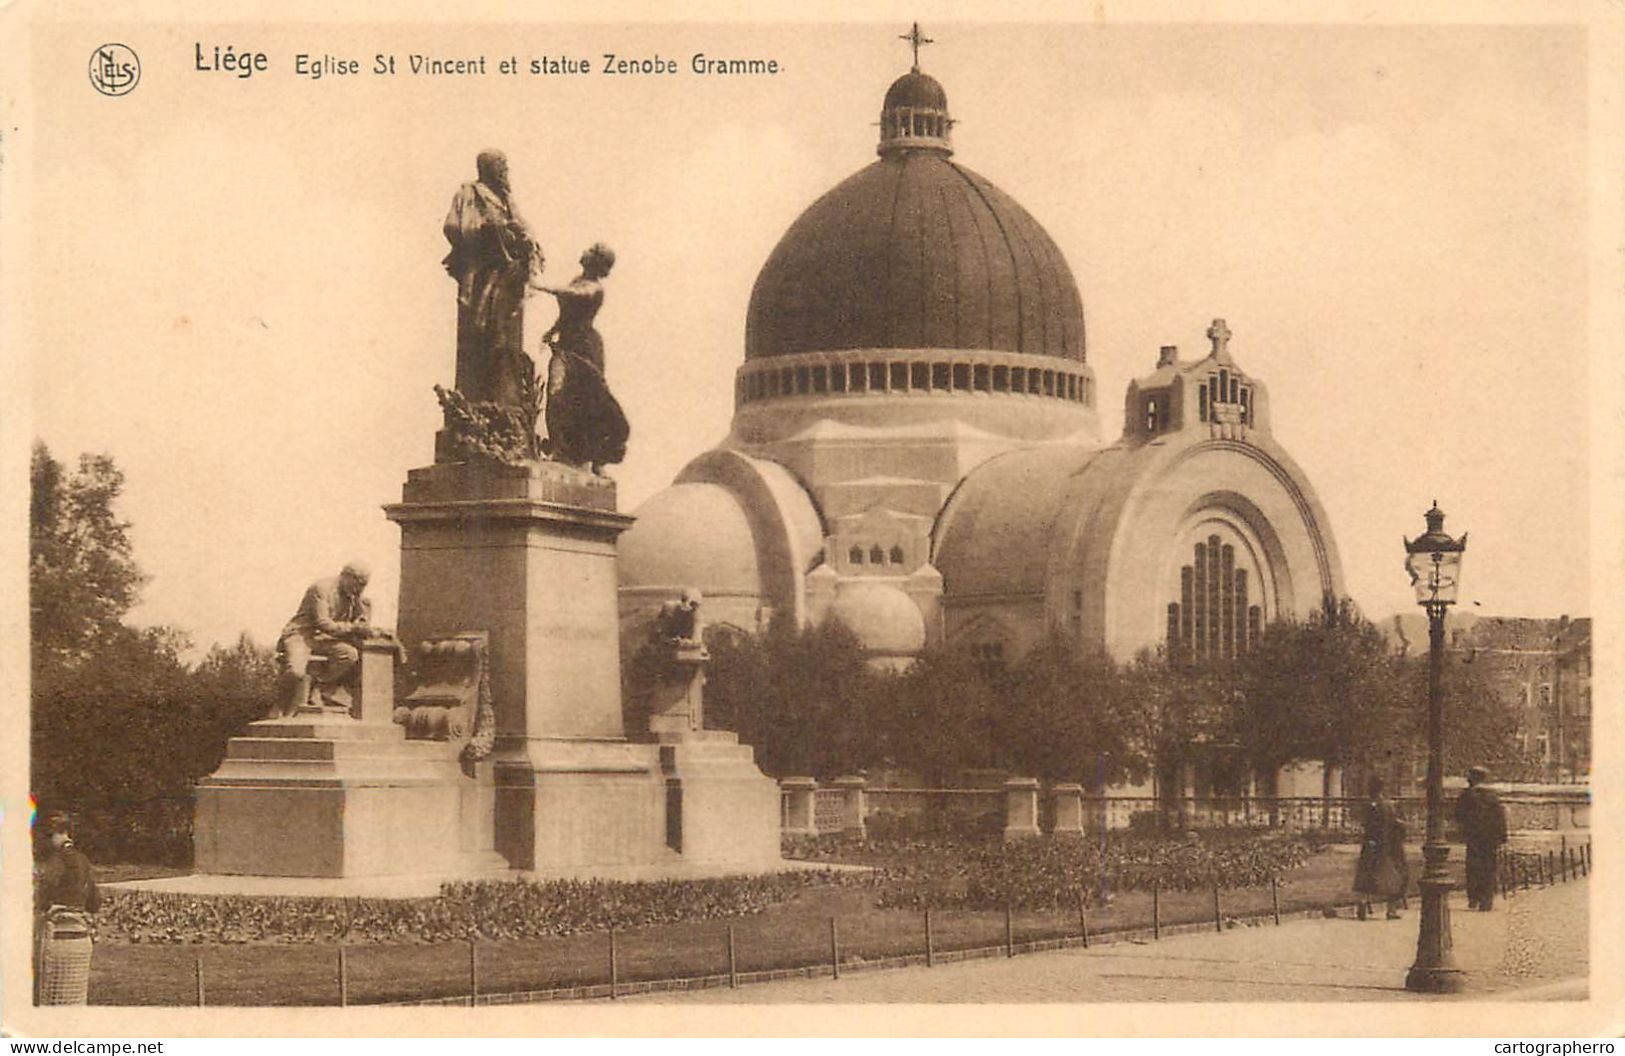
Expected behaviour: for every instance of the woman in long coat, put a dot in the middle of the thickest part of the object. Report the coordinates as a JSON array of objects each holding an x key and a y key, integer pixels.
[{"x": 1382, "y": 871}]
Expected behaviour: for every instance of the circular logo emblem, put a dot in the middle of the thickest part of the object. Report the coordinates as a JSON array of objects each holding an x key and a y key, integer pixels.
[{"x": 114, "y": 69}]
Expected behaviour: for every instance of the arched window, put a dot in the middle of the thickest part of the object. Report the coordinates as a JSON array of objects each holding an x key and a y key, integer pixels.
[
  {"x": 877, "y": 556},
  {"x": 896, "y": 555},
  {"x": 855, "y": 555}
]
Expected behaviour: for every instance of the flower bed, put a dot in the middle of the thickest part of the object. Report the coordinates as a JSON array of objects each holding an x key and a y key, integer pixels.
[
  {"x": 488, "y": 909},
  {"x": 1051, "y": 873},
  {"x": 905, "y": 873}
]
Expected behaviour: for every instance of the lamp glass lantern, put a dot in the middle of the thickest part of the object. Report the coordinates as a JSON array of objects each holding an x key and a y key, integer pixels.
[{"x": 1433, "y": 561}]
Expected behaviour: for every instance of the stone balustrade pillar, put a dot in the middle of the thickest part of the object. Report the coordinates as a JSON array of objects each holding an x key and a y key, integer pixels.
[
  {"x": 851, "y": 804},
  {"x": 1067, "y": 800},
  {"x": 799, "y": 819},
  {"x": 1020, "y": 807}
]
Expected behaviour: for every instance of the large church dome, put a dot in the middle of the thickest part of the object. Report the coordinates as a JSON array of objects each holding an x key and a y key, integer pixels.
[{"x": 915, "y": 251}]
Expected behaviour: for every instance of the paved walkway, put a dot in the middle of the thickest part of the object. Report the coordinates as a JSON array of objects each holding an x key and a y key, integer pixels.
[{"x": 1533, "y": 946}]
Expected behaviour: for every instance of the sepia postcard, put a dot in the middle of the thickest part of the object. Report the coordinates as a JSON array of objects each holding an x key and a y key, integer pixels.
[{"x": 857, "y": 520}]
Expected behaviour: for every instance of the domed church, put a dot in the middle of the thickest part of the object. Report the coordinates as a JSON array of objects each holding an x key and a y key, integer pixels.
[{"x": 916, "y": 445}]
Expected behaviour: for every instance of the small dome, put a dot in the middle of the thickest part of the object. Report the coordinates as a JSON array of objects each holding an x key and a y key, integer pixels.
[
  {"x": 885, "y": 619},
  {"x": 918, "y": 90},
  {"x": 691, "y": 535}
]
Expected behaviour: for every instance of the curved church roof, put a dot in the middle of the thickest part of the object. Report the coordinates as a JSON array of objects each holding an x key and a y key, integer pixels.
[{"x": 915, "y": 251}]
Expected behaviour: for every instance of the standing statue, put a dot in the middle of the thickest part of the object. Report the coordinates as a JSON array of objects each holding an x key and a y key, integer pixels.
[
  {"x": 585, "y": 426},
  {"x": 492, "y": 258}
]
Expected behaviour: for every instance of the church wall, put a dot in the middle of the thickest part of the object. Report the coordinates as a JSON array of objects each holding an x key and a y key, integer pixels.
[{"x": 1015, "y": 624}]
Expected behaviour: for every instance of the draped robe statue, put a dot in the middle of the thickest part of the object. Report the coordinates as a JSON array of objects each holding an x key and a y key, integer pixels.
[{"x": 493, "y": 257}]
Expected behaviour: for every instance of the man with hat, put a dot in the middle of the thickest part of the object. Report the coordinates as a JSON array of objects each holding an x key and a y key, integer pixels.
[{"x": 1483, "y": 823}]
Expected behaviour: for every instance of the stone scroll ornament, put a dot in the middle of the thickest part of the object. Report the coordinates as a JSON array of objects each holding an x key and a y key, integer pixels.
[{"x": 452, "y": 698}]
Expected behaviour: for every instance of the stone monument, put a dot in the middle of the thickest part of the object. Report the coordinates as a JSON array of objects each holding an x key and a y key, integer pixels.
[{"x": 505, "y": 747}]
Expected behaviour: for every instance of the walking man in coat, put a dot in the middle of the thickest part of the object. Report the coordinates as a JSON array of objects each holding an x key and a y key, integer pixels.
[{"x": 1483, "y": 822}]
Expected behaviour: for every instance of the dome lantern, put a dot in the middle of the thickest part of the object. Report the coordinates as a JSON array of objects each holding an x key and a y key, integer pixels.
[{"x": 914, "y": 115}]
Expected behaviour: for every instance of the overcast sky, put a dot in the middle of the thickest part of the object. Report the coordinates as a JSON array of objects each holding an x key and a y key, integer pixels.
[{"x": 237, "y": 291}]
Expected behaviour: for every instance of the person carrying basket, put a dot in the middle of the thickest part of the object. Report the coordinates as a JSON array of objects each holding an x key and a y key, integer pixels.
[{"x": 65, "y": 896}]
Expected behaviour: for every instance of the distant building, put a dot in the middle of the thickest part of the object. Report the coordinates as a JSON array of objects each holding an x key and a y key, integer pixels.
[
  {"x": 1571, "y": 699},
  {"x": 1541, "y": 668}
]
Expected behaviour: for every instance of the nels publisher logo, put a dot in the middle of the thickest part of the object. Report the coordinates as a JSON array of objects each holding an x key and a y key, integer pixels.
[{"x": 114, "y": 69}]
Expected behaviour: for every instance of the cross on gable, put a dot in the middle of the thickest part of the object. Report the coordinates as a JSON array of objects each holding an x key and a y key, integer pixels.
[
  {"x": 915, "y": 40},
  {"x": 1219, "y": 334}
]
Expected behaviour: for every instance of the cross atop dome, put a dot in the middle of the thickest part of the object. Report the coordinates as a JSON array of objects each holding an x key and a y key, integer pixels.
[
  {"x": 1219, "y": 334},
  {"x": 915, "y": 39}
]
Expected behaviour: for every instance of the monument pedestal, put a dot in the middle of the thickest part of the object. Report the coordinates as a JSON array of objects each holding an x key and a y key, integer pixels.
[
  {"x": 527, "y": 555},
  {"x": 324, "y": 796}
]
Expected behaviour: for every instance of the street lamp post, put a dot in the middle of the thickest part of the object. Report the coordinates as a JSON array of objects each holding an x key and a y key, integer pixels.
[{"x": 1434, "y": 563}]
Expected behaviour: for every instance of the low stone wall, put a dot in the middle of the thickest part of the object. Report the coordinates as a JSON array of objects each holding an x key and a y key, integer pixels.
[{"x": 849, "y": 805}]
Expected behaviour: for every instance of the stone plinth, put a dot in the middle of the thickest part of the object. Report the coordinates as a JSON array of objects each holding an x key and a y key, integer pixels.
[
  {"x": 800, "y": 818},
  {"x": 1067, "y": 800},
  {"x": 719, "y": 806},
  {"x": 675, "y": 703},
  {"x": 333, "y": 797},
  {"x": 852, "y": 811},
  {"x": 526, "y": 554},
  {"x": 564, "y": 804},
  {"x": 1020, "y": 807}
]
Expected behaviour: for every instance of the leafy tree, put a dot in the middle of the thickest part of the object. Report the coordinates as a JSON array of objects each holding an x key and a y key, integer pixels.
[
  {"x": 82, "y": 577},
  {"x": 121, "y": 726},
  {"x": 1481, "y": 724},
  {"x": 1184, "y": 708},
  {"x": 803, "y": 698},
  {"x": 1071, "y": 716},
  {"x": 942, "y": 717},
  {"x": 1327, "y": 688}
]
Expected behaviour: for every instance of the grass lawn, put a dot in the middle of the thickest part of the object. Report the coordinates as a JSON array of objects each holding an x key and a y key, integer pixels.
[{"x": 793, "y": 934}]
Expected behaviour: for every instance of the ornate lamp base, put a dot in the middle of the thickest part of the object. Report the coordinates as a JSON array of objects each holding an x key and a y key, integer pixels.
[{"x": 1435, "y": 970}]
